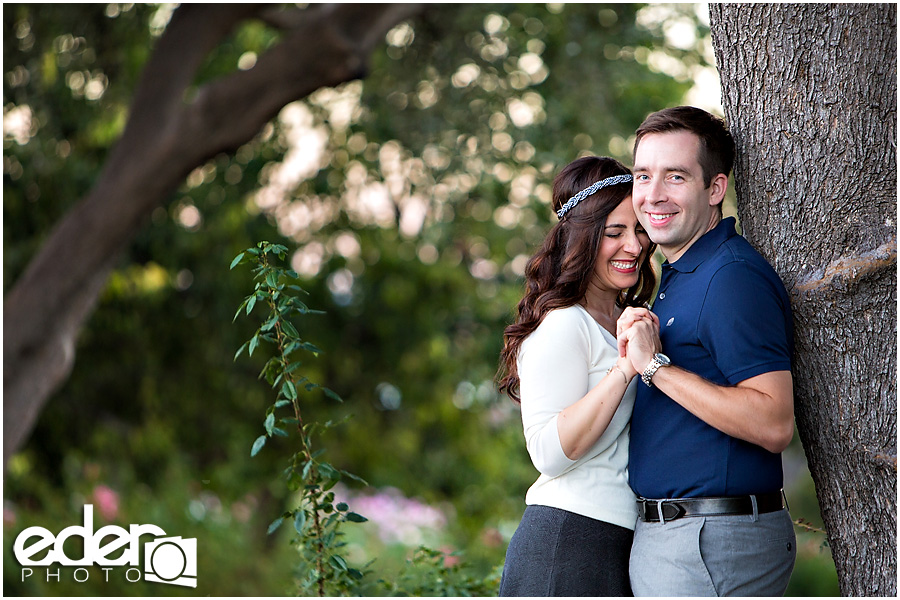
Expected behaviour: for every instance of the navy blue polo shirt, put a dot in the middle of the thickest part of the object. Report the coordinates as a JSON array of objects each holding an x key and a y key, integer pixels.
[{"x": 723, "y": 314}]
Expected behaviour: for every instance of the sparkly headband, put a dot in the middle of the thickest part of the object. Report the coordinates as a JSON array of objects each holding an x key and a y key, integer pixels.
[{"x": 574, "y": 200}]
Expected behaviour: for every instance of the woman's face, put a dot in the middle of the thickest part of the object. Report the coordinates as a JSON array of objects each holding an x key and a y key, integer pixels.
[{"x": 623, "y": 248}]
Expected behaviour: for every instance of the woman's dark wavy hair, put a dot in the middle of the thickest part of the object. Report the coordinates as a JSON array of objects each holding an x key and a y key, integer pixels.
[{"x": 557, "y": 275}]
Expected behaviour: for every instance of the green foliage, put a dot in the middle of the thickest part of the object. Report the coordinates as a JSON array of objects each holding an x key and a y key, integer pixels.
[
  {"x": 462, "y": 120},
  {"x": 433, "y": 573},
  {"x": 316, "y": 518}
]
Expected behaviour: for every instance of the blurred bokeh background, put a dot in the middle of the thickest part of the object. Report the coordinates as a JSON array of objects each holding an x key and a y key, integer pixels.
[{"x": 410, "y": 201}]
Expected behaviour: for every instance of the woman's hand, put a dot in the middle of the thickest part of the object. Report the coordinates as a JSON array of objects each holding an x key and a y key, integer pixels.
[
  {"x": 639, "y": 342},
  {"x": 624, "y": 365},
  {"x": 630, "y": 316}
]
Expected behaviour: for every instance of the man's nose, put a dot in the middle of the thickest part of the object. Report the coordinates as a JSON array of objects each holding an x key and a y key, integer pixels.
[{"x": 654, "y": 191}]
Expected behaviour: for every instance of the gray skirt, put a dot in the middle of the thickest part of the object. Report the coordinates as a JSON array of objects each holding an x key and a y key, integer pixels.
[{"x": 558, "y": 553}]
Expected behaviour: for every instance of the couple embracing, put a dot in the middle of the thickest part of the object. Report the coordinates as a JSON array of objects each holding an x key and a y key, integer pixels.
[{"x": 657, "y": 434}]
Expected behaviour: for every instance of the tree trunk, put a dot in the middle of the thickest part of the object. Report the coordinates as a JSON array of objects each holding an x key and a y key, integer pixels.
[
  {"x": 810, "y": 95},
  {"x": 165, "y": 138}
]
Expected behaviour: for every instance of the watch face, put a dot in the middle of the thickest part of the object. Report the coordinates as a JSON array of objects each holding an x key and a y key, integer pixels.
[{"x": 662, "y": 359}]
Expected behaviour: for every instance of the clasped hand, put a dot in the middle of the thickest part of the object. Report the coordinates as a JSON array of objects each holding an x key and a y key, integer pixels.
[{"x": 637, "y": 332}]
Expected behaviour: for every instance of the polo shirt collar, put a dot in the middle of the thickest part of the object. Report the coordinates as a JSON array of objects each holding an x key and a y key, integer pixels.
[{"x": 704, "y": 247}]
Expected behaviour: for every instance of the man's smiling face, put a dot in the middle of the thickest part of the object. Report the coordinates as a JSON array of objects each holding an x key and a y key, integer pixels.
[{"x": 670, "y": 198}]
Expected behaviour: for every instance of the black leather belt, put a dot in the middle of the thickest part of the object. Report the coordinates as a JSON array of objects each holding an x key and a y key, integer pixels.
[{"x": 648, "y": 509}]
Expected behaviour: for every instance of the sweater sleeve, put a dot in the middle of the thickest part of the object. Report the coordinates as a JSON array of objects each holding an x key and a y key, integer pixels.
[{"x": 553, "y": 373}]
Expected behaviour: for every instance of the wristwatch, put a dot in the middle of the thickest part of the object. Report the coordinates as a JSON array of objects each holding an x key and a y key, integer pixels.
[{"x": 659, "y": 360}]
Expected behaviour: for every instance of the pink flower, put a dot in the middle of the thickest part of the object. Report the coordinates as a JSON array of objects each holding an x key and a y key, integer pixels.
[
  {"x": 107, "y": 502},
  {"x": 9, "y": 515},
  {"x": 450, "y": 559}
]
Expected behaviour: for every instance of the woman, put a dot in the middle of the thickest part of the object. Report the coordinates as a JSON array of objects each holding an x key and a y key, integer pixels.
[{"x": 560, "y": 361}]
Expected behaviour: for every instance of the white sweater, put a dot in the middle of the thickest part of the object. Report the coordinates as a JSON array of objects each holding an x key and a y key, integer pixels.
[{"x": 567, "y": 355}]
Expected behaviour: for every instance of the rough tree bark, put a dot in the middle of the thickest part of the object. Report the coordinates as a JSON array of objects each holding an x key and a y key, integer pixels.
[
  {"x": 810, "y": 94},
  {"x": 172, "y": 129}
]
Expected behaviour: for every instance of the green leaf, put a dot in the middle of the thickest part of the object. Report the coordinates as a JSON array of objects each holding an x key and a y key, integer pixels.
[
  {"x": 272, "y": 279},
  {"x": 253, "y": 344},
  {"x": 240, "y": 308},
  {"x": 251, "y": 303},
  {"x": 240, "y": 350},
  {"x": 270, "y": 423},
  {"x": 289, "y": 329},
  {"x": 342, "y": 506},
  {"x": 275, "y": 525},
  {"x": 282, "y": 403},
  {"x": 311, "y": 348},
  {"x": 355, "y": 518},
  {"x": 289, "y": 391},
  {"x": 328, "y": 538},
  {"x": 293, "y": 366},
  {"x": 329, "y": 472},
  {"x": 236, "y": 261},
  {"x": 279, "y": 432},
  {"x": 300, "y": 521},
  {"x": 338, "y": 562},
  {"x": 355, "y": 477},
  {"x": 269, "y": 324},
  {"x": 332, "y": 394},
  {"x": 272, "y": 366},
  {"x": 257, "y": 445}
]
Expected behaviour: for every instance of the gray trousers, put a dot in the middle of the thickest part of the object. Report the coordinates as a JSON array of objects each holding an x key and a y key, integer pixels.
[{"x": 743, "y": 555}]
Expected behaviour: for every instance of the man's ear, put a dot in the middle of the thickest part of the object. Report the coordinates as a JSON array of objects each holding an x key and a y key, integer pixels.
[{"x": 717, "y": 188}]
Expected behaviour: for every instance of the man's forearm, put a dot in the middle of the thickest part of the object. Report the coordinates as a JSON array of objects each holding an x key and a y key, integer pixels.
[{"x": 759, "y": 410}]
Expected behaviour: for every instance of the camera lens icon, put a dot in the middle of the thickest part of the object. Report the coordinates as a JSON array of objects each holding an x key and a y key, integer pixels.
[
  {"x": 168, "y": 561},
  {"x": 171, "y": 560}
]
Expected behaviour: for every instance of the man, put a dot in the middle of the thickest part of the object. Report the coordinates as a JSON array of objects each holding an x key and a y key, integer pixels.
[{"x": 717, "y": 408}]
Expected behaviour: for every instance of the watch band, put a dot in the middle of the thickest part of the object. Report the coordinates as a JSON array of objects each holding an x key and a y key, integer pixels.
[{"x": 659, "y": 360}]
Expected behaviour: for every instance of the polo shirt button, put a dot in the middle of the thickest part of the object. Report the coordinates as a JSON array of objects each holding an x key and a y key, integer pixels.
[{"x": 662, "y": 296}]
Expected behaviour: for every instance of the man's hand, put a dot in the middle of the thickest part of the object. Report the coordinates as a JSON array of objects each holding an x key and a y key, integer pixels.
[{"x": 638, "y": 336}]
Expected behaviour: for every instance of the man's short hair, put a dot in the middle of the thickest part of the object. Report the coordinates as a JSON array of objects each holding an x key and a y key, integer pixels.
[{"x": 716, "y": 143}]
